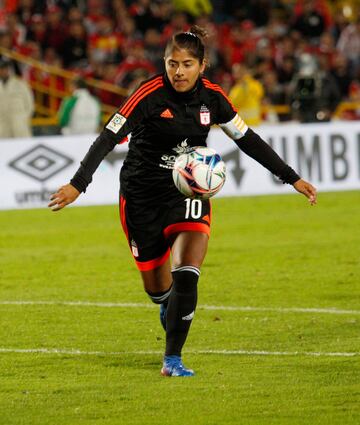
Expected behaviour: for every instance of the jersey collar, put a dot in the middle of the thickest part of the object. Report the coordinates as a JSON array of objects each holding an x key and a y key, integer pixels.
[
  {"x": 188, "y": 96},
  {"x": 197, "y": 95}
]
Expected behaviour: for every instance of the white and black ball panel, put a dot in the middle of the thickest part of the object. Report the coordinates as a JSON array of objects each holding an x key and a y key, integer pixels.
[{"x": 200, "y": 173}]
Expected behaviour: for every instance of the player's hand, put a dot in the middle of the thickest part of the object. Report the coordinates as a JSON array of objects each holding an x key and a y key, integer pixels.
[
  {"x": 64, "y": 196},
  {"x": 307, "y": 189}
]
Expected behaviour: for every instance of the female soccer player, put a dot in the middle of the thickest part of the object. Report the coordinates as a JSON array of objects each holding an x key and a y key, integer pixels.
[{"x": 167, "y": 115}]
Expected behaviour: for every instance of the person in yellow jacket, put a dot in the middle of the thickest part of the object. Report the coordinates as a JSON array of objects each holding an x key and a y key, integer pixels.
[
  {"x": 246, "y": 94},
  {"x": 194, "y": 7}
]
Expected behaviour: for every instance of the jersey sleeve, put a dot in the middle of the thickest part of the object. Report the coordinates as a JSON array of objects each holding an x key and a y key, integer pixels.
[
  {"x": 227, "y": 117},
  {"x": 133, "y": 111},
  {"x": 252, "y": 144},
  {"x": 231, "y": 123},
  {"x": 130, "y": 115}
]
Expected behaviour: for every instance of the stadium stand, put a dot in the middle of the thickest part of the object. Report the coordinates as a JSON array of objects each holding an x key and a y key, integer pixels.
[{"x": 114, "y": 44}]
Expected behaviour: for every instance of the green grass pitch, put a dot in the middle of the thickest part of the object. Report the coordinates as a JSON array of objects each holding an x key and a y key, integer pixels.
[{"x": 291, "y": 357}]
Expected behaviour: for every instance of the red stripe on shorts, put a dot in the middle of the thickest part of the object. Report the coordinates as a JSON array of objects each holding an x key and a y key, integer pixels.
[
  {"x": 187, "y": 226},
  {"x": 144, "y": 266},
  {"x": 123, "y": 216}
]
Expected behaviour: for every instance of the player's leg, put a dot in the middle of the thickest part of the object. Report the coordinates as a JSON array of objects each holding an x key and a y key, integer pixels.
[
  {"x": 149, "y": 248},
  {"x": 187, "y": 229},
  {"x": 188, "y": 250},
  {"x": 158, "y": 284}
]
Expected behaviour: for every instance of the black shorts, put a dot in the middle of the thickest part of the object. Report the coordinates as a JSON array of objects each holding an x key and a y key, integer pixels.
[{"x": 148, "y": 229}]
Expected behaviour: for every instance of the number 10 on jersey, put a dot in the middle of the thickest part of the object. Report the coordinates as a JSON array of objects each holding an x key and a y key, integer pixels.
[{"x": 193, "y": 208}]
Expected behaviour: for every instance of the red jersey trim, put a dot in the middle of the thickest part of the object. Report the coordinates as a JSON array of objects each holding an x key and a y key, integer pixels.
[
  {"x": 139, "y": 90},
  {"x": 217, "y": 88},
  {"x": 187, "y": 226},
  {"x": 136, "y": 101},
  {"x": 142, "y": 92},
  {"x": 144, "y": 266}
]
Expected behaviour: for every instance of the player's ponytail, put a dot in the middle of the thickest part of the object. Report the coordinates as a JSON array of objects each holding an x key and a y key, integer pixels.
[{"x": 191, "y": 40}]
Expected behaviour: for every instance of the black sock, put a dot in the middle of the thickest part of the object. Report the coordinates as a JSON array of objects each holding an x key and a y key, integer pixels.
[
  {"x": 181, "y": 308},
  {"x": 160, "y": 297}
]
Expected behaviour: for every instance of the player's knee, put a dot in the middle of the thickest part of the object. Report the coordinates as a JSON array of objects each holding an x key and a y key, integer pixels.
[{"x": 185, "y": 279}]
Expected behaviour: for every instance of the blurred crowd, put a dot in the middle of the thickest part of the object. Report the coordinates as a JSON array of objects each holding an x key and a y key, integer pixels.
[{"x": 301, "y": 53}]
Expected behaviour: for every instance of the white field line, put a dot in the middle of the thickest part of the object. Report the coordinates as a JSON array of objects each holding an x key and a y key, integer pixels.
[
  {"x": 150, "y": 352},
  {"x": 200, "y": 307}
]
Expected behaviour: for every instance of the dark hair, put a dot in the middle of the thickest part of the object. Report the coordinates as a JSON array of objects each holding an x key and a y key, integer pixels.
[
  {"x": 80, "y": 83},
  {"x": 5, "y": 62},
  {"x": 191, "y": 40}
]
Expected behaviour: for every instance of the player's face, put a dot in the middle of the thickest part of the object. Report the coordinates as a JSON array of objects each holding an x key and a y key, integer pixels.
[{"x": 183, "y": 69}]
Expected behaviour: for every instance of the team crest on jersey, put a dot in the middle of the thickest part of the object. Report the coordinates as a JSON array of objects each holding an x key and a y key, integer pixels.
[
  {"x": 116, "y": 123},
  {"x": 204, "y": 115}
]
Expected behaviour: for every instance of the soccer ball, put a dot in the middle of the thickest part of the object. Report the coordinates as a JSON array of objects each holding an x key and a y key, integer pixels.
[{"x": 199, "y": 173}]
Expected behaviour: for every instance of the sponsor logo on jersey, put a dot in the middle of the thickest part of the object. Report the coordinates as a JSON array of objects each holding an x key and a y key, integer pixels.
[
  {"x": 116, "y": 123},
  {"x": 169, "y": 159},
  {"x": 167, "y": 114},
  {"x": 182, "y": 147},
  {"x": 204, "y": 115}
]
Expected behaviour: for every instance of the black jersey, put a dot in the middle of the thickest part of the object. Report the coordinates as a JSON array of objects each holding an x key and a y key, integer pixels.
[{"x": 163, "y": 124}]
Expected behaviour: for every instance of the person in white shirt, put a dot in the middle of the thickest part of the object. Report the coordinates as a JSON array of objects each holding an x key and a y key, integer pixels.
[
  {"x": 79, "y": 113},
  {"x": 16, "y": 103}
]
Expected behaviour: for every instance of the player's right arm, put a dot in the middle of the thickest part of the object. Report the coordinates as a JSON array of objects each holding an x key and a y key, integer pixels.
[
  {"x": 104, "y": 143},
  {"x": 63, "y": 196},
  {"x": 131, "y": 114}
]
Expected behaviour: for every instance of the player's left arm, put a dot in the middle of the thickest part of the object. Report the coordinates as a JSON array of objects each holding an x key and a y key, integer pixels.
[{"x": 254, "y": 146}]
